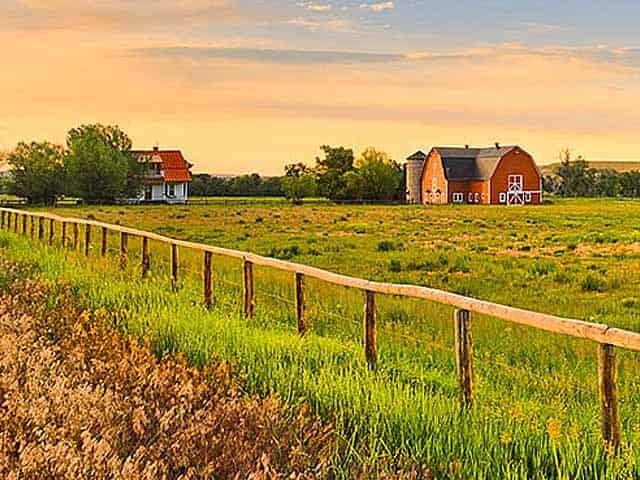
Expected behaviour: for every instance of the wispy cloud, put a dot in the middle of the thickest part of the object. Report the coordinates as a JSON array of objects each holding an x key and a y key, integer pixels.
[
  {"x": 115, "y": 14},
  {"x": 316, "y": 7},
  {"x": 378, "y": 7},
  {"x": 543, "y": 28},
  {"x": 331, "y": 25},
  {"x": 296, "y": 57},
  {"x": 627, "y": 56}
]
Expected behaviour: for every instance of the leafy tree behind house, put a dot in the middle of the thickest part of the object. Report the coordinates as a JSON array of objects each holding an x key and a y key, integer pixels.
[
  {"x": 100, "y": 165},
  {"x": 37, "y": 172}
]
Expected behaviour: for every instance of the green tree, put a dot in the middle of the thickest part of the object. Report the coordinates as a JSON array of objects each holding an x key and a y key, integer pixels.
[
  {"x": 330, "y": 170},
  {"x": 575, "y": 177},
  {"x": 37, "y": 172},
  {"x": 296, "y": 188},
  {"x": 100, "y": 165},
  {"x": 607, "y": 183},
  {"x": 630, "y": 183},
  {"x": 381, "y": 177}
]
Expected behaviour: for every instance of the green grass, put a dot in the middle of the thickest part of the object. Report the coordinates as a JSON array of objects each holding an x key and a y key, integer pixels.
[{"x": 536, "y": 413}]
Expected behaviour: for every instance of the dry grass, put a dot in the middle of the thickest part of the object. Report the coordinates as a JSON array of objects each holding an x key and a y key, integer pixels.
[{"x": 80, "y": 400}]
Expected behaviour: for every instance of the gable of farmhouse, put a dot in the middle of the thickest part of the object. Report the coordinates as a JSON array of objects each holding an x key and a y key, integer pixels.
[
  {"x": 494, "y": 175},
  {"x": 168, "y": 177}
]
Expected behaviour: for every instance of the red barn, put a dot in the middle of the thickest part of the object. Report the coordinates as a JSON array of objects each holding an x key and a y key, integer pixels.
[{"x": 495, "y": 175}]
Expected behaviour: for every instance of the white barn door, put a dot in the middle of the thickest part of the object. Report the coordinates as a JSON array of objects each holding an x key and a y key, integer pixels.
[{"x": 515, "y": 190}]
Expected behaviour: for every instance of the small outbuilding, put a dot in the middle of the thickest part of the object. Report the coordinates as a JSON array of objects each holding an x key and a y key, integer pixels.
[{"x": 494, "y": 175}]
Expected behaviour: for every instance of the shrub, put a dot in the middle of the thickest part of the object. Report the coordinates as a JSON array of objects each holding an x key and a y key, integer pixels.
[
  {"x": 593, "y": 282},
  {"x": 389, "y": 246},
  {"x": 395, "y": 266}
]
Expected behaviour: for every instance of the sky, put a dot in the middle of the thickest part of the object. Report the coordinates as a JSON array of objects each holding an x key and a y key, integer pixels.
[{"x": 249, "y": 86}]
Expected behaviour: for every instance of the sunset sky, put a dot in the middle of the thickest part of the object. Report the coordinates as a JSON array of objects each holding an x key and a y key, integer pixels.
[{"x": 248, "y": 86}]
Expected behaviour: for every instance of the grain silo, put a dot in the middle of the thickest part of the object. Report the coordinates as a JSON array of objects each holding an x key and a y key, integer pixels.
[{"x": 413, "y": 169}]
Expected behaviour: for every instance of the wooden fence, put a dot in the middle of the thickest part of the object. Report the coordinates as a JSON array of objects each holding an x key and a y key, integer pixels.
[{"x": 606, "y": 337}]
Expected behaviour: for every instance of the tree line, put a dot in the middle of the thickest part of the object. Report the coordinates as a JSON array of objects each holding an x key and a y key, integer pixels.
[
  {"x": 95, "y": 164},
  {"x": 338, "y": 176},
  {"x": 575, "y": 178},
  {"x": 253, "y": 185}
]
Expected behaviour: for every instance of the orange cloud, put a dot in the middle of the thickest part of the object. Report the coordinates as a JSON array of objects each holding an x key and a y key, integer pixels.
[{"x": 236, "y": 110}]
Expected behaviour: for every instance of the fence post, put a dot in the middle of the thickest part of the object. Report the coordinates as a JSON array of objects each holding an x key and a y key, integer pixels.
[
  {"x": 87, "y": 239},
  {"x": 608, "y": 395},
  {"x": 51, "y": 231},
  {"x": 76, "y": 235},
  {"x": 40, "y": 228},
  {"x": 206, "y": 278},
  {"x": 24, "y": 224},
  {"x": 174, "y": 266},
  {"x": 2, "y": 213},
  {"x": 64, "y": 234},
  {"x": 370, "y": 348},
  {"x": 103, "y": 248},
  {"x": 301, "y": 312},
  {"x": 146, "y": 260},
  {"x": 464, "y": 356},
  {"x": 32, "y": 227},
  {"x": 8, "y": 220},
  {"x": 247, "y": 282},
  {"x": 124, "y": 253},
  {"x": 16, "y": 222}
]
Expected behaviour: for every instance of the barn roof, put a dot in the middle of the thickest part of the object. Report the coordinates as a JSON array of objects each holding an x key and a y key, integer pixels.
[
  {"x": 174, "y": 167},
  {"x": 465, "y": 163}
]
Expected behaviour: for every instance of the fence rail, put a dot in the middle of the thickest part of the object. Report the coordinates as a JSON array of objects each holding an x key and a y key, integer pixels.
[{"x": 606, "y": 337}]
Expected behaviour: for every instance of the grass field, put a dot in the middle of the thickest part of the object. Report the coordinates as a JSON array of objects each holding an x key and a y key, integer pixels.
[{"x": 536, "y": 413}]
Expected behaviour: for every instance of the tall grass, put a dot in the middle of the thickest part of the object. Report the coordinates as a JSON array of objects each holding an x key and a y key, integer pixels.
[{"x": 536, "y": 413}]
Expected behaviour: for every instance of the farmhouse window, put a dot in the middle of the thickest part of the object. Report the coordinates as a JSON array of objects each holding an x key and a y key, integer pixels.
[{"x": 171, "y": 190}]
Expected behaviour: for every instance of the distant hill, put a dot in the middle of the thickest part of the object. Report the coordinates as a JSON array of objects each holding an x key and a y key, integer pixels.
[{"x": 618, "y": 166}]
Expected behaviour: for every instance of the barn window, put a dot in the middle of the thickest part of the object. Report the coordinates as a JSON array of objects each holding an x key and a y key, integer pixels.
[
  {"x": 470, "y": 197},
  {"x": 516, "y": 182},
  {"x": 483, "y": 196},
  {"x": 477, "y": 197},
  {"x": 434, "y": 184},
  {"x": 503, "y": 197},
  {"x": 458, "y": 198},
  {"x": 527, "y": 197}
]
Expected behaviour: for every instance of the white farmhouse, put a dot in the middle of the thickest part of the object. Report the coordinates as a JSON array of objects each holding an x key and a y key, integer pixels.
[{"x": 168, "y": 178}]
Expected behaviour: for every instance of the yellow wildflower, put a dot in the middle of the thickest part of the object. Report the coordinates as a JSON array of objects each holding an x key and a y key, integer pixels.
[{"x": 554, "y": 428}]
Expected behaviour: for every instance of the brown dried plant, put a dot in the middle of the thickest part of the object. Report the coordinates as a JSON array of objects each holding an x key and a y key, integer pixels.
[{"x": 78, "y": 399}]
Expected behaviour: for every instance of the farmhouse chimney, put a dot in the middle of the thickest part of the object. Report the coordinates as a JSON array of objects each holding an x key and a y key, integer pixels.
[
  {"x": 156, "y": 148},
  {"x": 466, "y": 146},
  {"x": 497, "y": 145}
]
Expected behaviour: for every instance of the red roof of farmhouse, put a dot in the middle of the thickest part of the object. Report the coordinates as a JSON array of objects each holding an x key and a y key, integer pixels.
[{"x": 174, "y": 166}]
